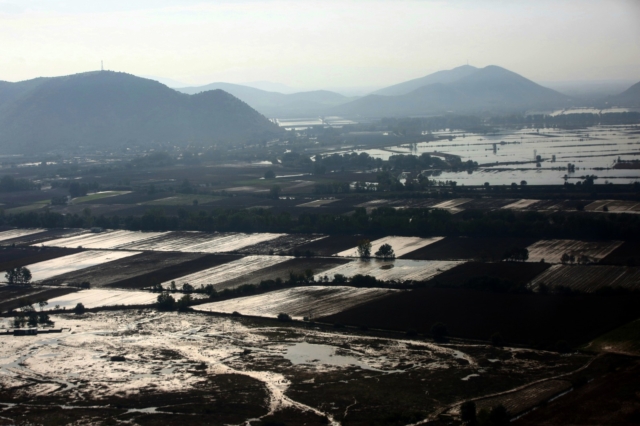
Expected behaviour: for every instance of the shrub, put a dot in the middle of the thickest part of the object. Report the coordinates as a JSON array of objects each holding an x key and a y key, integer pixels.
[
  {"x": 166, "y": 302},
  {"x": 468, "y": 412},
  {"x": 284, "y": 317},
  {"x": 79, "y": 309}
]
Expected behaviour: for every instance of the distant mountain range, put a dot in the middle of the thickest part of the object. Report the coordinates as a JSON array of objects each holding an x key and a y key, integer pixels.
[
  {"x": 278, "y": 105},
  {"x": 107, "y": 109},
  {"x": 462, "y": 90}
]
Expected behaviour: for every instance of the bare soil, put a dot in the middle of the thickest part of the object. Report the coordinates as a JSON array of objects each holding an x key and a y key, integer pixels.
[
  {"x": 14, "y": 257},
  {"x": 531, "y": 319},
  {"x": 455, "y": 248}
]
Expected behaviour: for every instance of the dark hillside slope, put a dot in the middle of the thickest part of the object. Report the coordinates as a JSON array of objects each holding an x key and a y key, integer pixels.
[
  {"x": 442, "y": 77},
  {"x": 628, "y": 98},
  {"x": 490, "y": 90},
  {"x": 108, "y": 109}
]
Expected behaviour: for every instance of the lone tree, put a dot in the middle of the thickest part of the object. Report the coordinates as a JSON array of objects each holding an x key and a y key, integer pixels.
[
  {"x": 364, "y": 249},
  {"x": 386, "y": 252},
  {"x": 270, "y": 174},
  {"x": 79, "y": 309},
  {"x": 275, "y": 192},
  {"x": 18, "y": 276}
]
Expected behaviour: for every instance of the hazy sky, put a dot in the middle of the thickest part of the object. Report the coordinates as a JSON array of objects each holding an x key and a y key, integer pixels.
[{"x": 313, "y": 44}]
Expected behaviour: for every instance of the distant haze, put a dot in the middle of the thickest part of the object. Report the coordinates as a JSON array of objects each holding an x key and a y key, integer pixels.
[{"x": 308, "y": 45}]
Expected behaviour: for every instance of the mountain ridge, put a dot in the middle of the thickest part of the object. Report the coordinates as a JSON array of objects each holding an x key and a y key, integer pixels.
[
  {"x": 106, "y": 108},
  {"x": 488, "y": 90}
]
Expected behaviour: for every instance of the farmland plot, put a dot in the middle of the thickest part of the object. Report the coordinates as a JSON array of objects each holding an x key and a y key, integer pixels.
[
  {"x": 103, "y": 240},
  {"x": 392, "y": 270},
  {"x": 520, "y": 204},
  {"x": 317, "y": 203},
  {"x": 17, "y": 233},
  {"x": 453, "y": 205},
  {"x": 200, "y": 242},
  {"x": 552, "y": 250},
  {"x": 401, "y": 245},
  {"x": 281, "y": 245},
  {"x": 62, "y": 265},
  {"x": 229, "y": 271},
  {"x": 99, "y": 298},
  {"x": 589, "y": 278},
  {"x": 614, "y": 206},
  {"x": 314, "y": 301}
]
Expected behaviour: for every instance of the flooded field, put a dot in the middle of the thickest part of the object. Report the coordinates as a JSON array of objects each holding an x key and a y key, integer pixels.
[
  {"x": 228, "y": 271},
  {"x": 593, "y": 150},
  {"x": 299, "y": 302},
  {"x": 552, "y": 250},
  {"x": 200, "y": 242},
  {"x": 99, "y": 298},
  {"x": 588, "y": 278},
  {"x": 392, "y": 270},
  {"x": 400, "y": 245},
  {"x": 139, "y": 367},
  {"x": 103, "y": 240},
  {"x": 17, "y": 233},
  {"x": 86, "y": 259}
]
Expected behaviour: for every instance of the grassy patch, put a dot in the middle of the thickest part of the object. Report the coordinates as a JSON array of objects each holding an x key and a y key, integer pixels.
[
  {"x": 97, "y": 196},
  {"x": 625, "y": 339},
  {"x": 182, "y": 200},
  {"x": 30, "y": 207}
]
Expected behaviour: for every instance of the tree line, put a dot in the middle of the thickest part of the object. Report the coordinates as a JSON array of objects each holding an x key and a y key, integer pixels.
[{"x": 413, "y": 222}]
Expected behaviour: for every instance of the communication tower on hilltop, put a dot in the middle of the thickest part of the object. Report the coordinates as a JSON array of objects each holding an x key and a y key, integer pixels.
[{"x": 101, "y": 66}]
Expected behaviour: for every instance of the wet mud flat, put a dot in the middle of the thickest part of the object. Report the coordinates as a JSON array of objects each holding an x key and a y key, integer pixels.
[
  {"x": 531, "y": 319},
  {"x": 131, "y": 270},
  {"x": 453, "y": 248},
  {"x": 152, "y": 368}
]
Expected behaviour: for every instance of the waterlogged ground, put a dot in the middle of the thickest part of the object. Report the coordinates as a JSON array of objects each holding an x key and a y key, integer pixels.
[{"x": 140, "y": 366}]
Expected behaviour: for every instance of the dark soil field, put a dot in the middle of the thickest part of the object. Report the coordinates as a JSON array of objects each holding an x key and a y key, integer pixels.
[
  {"x": 10, "y": 296},
  {"x": 41, "y": 237},
  {"x": 132, "y": 269},
  {"x": 612, "y": 398},
  {"x": 531, "y": 319},
  {"x": 13, "y": 257},
  {"x": 627, "y": 254},
  {"x": 191, "y": 263},
  {"x": 281, "y": 245},
  {"x": 456, "y": 248},
  {"x": 520, "y": 273},
  {"x": 332, "y": 244},
  {"x": 282, "y": 270}
]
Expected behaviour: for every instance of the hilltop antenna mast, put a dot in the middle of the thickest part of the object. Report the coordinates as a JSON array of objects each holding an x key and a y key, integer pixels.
[{"x": 101, "y": 66}]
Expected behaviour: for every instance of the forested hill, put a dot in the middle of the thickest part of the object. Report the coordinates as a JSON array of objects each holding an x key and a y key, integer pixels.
[
  {"x": 489, "y": 90},
  {"x": 109, "y": 109}
]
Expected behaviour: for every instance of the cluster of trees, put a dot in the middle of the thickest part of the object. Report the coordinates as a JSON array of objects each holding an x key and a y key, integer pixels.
[
  {"x": 540, "y": 121},
  {"x": 18, "y": 276},
  {"x": 520, "y": 254},
  {"x": 11, "y": 184},
  {"x": 30, "y": 317}
]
